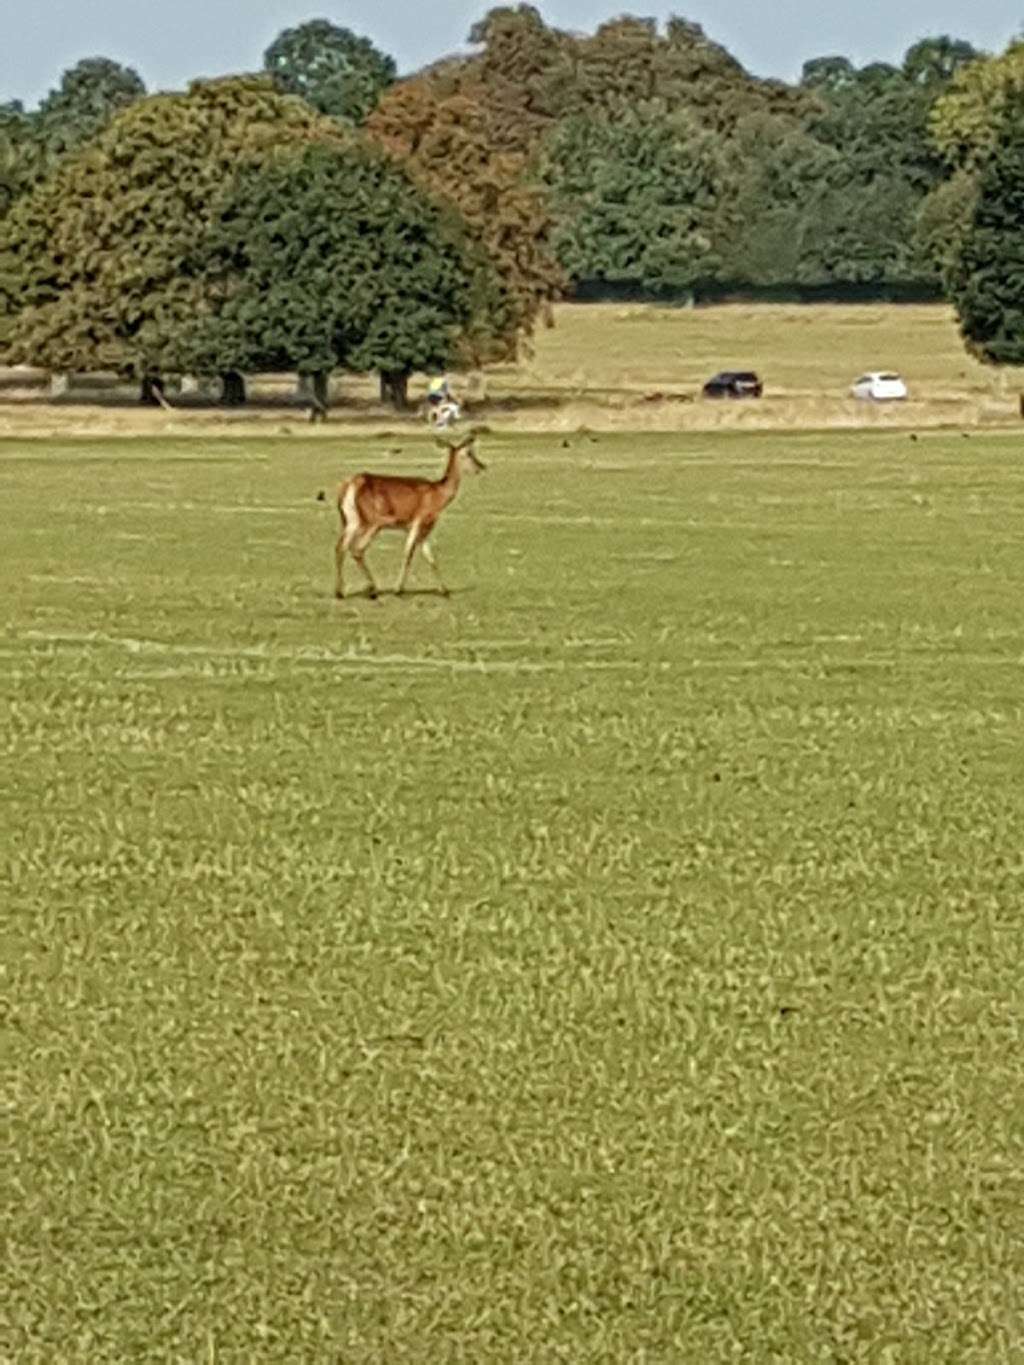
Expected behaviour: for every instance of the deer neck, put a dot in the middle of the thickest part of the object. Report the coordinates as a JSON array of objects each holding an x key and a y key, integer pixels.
[{"x": 449, "y": 481}]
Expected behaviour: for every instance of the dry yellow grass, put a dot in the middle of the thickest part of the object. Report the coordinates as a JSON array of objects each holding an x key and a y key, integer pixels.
[{"x": 613, "y": 367}]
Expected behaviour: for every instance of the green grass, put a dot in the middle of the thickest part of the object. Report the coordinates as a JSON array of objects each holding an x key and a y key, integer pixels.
[
  {"x": 619, "y": 961},
  {"x": 611, "y": 367}
]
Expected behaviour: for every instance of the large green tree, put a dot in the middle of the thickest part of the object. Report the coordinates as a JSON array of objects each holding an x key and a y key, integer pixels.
[
  {"x": 779, "y": 173},
  {"x": 90, "y": 93},
  {"x": 337, "y": 71},
  {"x": 96, "y": 253},
  {"x": 987, "y": 277},
  {"x": 635, "y": 200},
  {"x": 330, "y": 256},
  {"x": 859, "y": 222}
]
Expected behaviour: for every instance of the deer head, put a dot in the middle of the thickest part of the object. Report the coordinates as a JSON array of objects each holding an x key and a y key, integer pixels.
[{"x": 466, "y": 447}]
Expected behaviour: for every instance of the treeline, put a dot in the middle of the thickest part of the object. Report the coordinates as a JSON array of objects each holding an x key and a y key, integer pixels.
[{"x": 322, "y": 215}]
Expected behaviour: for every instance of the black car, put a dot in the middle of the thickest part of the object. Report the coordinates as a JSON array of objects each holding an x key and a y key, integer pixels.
[{"x": 734, "y": 384}]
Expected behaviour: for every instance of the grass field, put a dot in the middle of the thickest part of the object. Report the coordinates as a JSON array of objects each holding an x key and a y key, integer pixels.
[
  {"x": 611, "y": 367},
  {"x": 619, "y": 961}
]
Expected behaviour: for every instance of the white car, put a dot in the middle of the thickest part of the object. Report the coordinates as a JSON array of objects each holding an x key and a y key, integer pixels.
[{"x": 881, "y": 385}]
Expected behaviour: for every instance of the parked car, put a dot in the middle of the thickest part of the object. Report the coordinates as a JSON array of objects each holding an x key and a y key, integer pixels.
[
  {"x": 734, "y": 384},
  {"x": 880, "y": 385}
]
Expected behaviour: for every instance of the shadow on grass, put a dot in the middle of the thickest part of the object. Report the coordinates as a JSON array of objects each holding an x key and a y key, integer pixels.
[{"x": 365, "y": 595}]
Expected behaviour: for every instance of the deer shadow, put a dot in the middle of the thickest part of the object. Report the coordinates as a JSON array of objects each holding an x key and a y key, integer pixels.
[{"x": 365, "y": 595}]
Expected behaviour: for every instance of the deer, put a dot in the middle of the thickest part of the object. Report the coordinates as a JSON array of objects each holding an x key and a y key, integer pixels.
[{"x": 370, "y": 503}]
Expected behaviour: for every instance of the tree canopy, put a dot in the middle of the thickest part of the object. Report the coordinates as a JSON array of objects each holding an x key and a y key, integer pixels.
[
  {"x": 442, "y": 139},
  {"x": 98, "y": 251},
  {"x": 986, "y": 277},
  {"x": 967, "y": 119},
  {"x": 336, "y": 71},
  {"x": 640, "y": 155},
  {"x": 328, "y": 255},
  {"x": 635, "y": 200},
  {"x": 89, "y": 95},
  {"x": 933, "y": 62}
]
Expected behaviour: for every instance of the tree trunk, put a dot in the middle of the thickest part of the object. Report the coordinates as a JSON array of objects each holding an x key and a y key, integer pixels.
[
  {"x": 394, "y": 389},
  {"x": 314, "y": 389},
  {"x": 151, "y": 390},
  {"x": 232, "y": 391}
]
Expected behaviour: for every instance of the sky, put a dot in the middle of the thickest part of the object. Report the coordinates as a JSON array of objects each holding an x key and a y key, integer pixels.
[{"x": 169, "y": 42}]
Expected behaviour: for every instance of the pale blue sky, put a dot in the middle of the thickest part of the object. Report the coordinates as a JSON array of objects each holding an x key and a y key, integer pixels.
[{"x": 171, "y": 41}]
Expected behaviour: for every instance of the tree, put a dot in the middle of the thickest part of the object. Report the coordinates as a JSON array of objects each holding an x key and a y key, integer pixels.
[
  {"x": 89, "y": 95},
  {"x": 442, "y": 140},
  {"x": 31, "y": 144},
  {"x": 534, "y": 76},
  {"x": 525, "y": 72},
  {"x": 855, "y": 235},
  {"x": 879, "y": 126},
  {"x": 336, "y": 71},
  {"x": 858, "y": 227},
  {"x": 20, "y": 154},
  {"x": 635, "y": 200},
  {"x": 474, "y": 129},
  {"x": 933, "y": 62},
  {"x": 987, "y": 277},
  {"x": 943, "y": 220},
  {"x": 20, "y": 168},
  {"x": 779, "y": 173},
  {"x": 966, "y": 120},
  {"x": 329, "y": 255},
  {"x": 828, "y": 74},
  {"x": 97, "y": 251}
]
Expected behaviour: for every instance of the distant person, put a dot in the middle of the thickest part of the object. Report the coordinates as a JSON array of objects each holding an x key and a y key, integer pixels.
[{"x": 442, "y": 409}]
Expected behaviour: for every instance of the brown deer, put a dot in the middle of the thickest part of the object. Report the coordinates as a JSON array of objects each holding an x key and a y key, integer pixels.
[{"x": 368, "y": 503}]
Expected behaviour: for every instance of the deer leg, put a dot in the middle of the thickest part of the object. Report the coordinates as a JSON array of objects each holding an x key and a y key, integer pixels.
[
  {"x": 349, "y": 531},
  {"x": 344, "y": 543},
  {"x": 411, "y": 541},
  {"x": 428, "y": 555},
  {"x": 359, "y": 548}
]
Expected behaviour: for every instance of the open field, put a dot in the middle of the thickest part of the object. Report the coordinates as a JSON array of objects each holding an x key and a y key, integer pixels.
[
  {"x": 613, "y": 367},
  {"x": 619, "y": 961}
]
